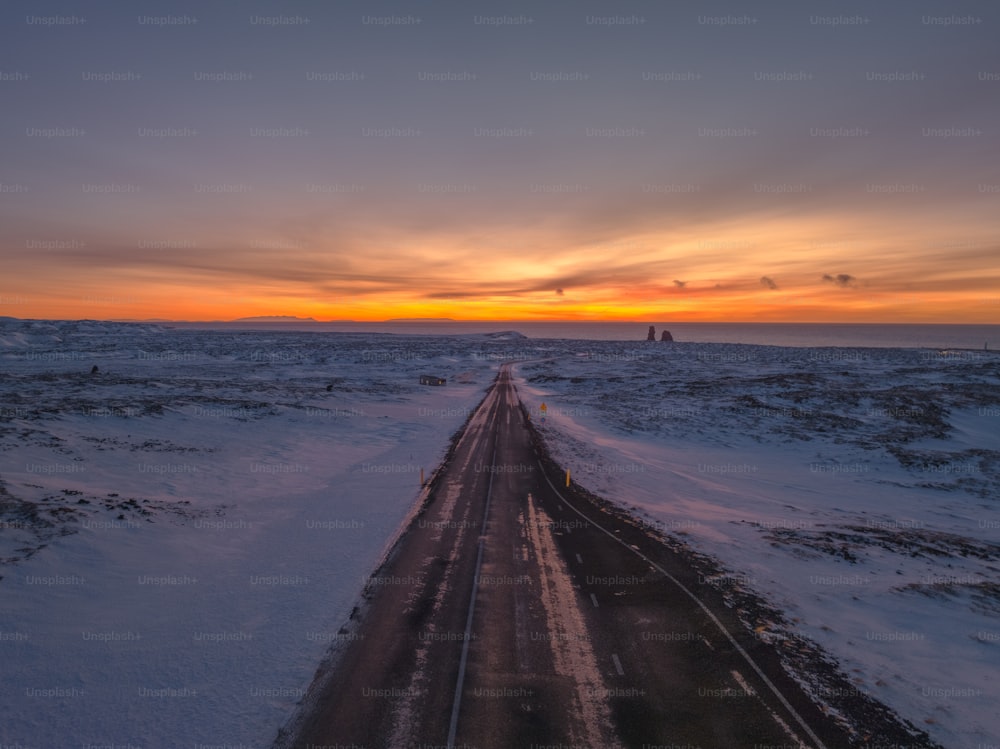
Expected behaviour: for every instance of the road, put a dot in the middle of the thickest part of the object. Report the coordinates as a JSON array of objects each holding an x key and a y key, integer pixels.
[{"x": 515, "y": 612}]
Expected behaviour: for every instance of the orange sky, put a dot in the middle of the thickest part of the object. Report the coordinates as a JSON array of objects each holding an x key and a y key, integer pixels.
[
  {"x": 758, "y": 269},
  {"x": 671, "y": 170}
]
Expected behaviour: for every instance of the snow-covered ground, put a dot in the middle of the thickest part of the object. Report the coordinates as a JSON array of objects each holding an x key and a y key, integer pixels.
[
  {"x": 183, "y": 532},
  {"x": 857, "y": 490}
]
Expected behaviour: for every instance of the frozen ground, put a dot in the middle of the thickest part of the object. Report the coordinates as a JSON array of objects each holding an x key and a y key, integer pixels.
[
  {"x": 857, "y": 490},
  {"x": 183, "y": 532}
]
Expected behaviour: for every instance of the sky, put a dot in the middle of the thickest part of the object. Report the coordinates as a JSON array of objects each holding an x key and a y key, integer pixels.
[{"x": 681, "y": 160}]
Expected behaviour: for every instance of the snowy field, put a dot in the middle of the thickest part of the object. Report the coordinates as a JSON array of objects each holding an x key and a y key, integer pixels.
[
  {"x": 183, "y": 532},
  {"x": 857, "y": 490}
]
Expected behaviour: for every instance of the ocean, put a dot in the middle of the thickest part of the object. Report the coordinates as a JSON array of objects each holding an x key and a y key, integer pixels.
[{"x": 863, "y": 335}]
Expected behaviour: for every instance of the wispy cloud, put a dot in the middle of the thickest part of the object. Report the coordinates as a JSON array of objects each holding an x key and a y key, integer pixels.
[
  {"x": 841, "y": 279},
  {"x": 481, "y": 195}
]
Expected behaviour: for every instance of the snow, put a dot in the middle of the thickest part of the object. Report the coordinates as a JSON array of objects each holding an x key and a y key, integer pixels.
[
  {"x": 183, "y": 533},
  {"x": 855, "y": 489}
]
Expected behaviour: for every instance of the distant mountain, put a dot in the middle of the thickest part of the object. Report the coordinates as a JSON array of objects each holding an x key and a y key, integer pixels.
[
  {"x": 275, "y": 318},
  {"x": 505, "y": 335},
  {"x": 421, "y": 319}
]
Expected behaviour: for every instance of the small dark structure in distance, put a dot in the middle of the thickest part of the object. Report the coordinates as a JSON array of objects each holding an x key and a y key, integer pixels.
[
  {"x": 664, "y": 335},
  {"x": 432, "y": 380}
]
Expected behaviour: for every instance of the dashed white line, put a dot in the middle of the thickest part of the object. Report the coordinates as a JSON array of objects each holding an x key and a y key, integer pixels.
[
  {"x": 618, "y": 665},
  {"x": 579, "y": 559},
  {"x": 747, "y": 689},
  {"x": 594, "y": 599}
]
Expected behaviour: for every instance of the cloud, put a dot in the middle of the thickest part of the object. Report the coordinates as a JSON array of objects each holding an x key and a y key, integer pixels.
[
  {"x": 842, "y": 280},
  {"x": 559, "y": 292},
  {"x": 768, "y": 282},
  {"x": 680, "y": 284}
]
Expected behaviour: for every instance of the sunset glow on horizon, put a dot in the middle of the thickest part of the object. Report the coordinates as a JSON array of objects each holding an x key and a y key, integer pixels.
[{"x": 582, "y": 163}]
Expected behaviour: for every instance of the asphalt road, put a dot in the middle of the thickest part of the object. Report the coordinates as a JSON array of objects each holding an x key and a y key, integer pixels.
[{"x": 515, "y": 612}]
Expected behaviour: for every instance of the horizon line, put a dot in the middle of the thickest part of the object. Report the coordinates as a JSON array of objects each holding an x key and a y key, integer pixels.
[{"x": 281, "y": 320}]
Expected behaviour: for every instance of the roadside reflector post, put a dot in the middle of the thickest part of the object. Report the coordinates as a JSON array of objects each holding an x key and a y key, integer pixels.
[{"x": 567, "y": 477}]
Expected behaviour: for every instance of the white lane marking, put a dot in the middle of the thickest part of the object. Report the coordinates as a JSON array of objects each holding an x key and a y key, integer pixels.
[
  {"x": 704, "y": 640},
  {"x": 708, "y": 612},
  {"x": 594, "y": 599},
  {"x": 457, "y": 702},
  {"x": 742, "y": 682},
  {"x": 777, "y": 718},
  {"x": 799, "y": 743},
  {"x": 618, "y": 665},
  {"x": 579, "y": 559},
  {"x": 573, "y": 656}
]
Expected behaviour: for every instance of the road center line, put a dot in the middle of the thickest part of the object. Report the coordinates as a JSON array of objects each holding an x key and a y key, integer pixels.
[
  {"x": 457, "y": 703},
  {"x": 594, "y": 599},
  {"x": 618, "y": 664}
]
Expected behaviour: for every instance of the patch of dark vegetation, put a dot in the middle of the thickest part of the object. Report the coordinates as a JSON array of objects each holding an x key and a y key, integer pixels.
[
  {"x": 166, "y": 446},
  {"x": 975, "y": 460},
  {"x": 28, "y": 527},
  {"x": 974, "y": 471},
  {"x": 786, "y": 378},
  {"x": 981, "y": 596},
  {"x": 545, "y": 378},
  {"x": 850, "y": 542}
]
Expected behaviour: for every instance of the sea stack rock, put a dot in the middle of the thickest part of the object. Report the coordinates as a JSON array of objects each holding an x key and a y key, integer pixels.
[
  {"x": 665, "y": 335},
  {"x": 651, "y": 336}
]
